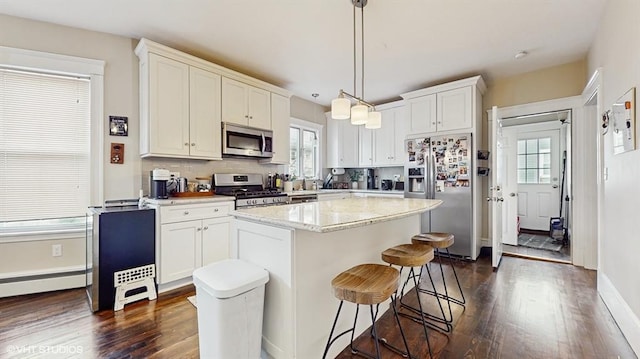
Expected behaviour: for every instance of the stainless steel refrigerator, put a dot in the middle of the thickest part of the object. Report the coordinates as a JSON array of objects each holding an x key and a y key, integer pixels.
[{"x": 440, "y": 167}]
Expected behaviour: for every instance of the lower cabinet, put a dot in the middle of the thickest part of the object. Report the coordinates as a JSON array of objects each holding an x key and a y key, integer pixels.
[{"x": 190, "y": 237}]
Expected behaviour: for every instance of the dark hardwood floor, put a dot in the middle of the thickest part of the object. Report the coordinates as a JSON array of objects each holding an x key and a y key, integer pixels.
[{"x": 526, "y": 309}]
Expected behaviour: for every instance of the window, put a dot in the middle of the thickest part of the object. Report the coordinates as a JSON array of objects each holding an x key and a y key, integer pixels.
[
  {"x": 51, "y": 139},
  {"x": 534, "y": 160},
  {"x": 304, "y": 158}
]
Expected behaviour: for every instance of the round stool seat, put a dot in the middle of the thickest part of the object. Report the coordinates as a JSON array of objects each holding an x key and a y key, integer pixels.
[
  {"x": 366, "y": 284},
  {"x": 408, "y": 255},
  {"x": 434, "y": 239}
]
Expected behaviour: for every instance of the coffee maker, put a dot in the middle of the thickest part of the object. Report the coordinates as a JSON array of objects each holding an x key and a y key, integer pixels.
[
  {"x": 158, "y": 178},
  {"x": 371, "y": 179}
]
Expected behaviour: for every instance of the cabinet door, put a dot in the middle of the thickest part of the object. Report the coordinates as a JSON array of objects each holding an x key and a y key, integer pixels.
[
  {"x": 384, "y": 139},
  {"x": 234, "y": 102},
  {"x": 365, "y": 141},
  {"x": 454, "y": 109},
  {"x": 180, "y": 250},
  {"x": 280, "y": 114},
  {"x": 401, "y": 130},
  {"x": 349, "y": 145},
  {"x": 168, "y": 106},
  {"x": 333, "y": 142},
  {"x": 215, "y": 239},
  {"x": 259, "y": 109},
  {"x": 423, "y": 114},
  {"x": 204, "y": 129}
]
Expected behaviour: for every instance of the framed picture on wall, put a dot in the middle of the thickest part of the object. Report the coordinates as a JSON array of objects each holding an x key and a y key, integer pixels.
[{"x": 118, "y": 126}]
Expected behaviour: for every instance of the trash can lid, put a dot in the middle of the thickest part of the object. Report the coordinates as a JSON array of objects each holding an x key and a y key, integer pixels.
[{"x": 229, "y": 277}]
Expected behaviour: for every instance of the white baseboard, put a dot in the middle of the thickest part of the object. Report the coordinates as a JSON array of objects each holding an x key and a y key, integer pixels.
[
  {"x": 42, "y": 281},
  {"x": 623, "y": 315}
]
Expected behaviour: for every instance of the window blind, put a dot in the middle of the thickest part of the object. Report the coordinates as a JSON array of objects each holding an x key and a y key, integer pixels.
[{"x": 44, "y": 146}]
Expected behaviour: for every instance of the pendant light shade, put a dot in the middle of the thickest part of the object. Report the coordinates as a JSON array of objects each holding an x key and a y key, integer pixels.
[
  {"x": 374, "y": 121},
  {"x": 340, "y": 108},
  {"x": 359, "y": 114}
]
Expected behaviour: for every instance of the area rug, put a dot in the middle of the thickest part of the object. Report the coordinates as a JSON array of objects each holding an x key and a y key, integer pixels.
[
  {"x": 539, "y": 242},
  {"x": 192, "y": 300}
]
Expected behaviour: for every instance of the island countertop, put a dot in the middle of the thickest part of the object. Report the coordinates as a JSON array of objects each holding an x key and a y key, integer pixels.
[{"x": 335, "y": 215}]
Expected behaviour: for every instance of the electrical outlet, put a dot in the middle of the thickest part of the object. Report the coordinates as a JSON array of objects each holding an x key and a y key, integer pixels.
[{"x": 56, "y": 250}]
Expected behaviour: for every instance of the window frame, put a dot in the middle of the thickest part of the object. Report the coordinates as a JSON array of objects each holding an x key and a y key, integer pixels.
[
  {"x": 309, "y": 126},
  {"x": 44, "y": 62},
  {"x": 538, "y": 167}
]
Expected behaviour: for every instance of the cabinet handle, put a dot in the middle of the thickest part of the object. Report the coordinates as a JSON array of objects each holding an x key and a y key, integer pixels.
[
  {"x": 206, "y": 227},
  {"x": 193, "y": 144},
  {"x": 186, "y": 213},
  {"x": 250, "y": 117},
  {"x": 198, "y": 229},
  {"x": 186, "y": 143},
  {"x": 215, "y": 210},
  {"x": 246, "y": 116},
  {"x": 433, "y": 123}
]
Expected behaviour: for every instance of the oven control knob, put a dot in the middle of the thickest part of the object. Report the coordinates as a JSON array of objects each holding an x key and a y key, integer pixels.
[{"x": 264, "y": 200}]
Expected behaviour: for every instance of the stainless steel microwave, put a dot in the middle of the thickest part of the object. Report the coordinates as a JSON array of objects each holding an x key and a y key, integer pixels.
[{"x": 238, "y": 140}]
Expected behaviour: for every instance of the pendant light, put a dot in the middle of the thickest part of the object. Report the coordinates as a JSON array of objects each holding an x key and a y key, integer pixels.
[{"x": 363, "y": 112}]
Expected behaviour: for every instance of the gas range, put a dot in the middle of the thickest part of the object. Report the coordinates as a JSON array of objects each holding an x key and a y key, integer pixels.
[{"x": 248, "y": 190}]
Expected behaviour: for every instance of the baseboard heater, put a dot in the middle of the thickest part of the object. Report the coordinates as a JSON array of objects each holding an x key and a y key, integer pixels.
[{"x": 28, "y": 282}]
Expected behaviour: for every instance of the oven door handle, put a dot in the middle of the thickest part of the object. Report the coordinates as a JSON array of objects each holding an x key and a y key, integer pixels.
[{"x": 263, "y": 142}]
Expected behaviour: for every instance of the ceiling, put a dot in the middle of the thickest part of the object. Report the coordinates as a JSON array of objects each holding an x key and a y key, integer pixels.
[{"x": 306, "y": 46}]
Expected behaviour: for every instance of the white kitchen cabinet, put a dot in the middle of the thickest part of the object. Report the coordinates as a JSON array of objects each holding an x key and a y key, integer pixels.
[
  {"x": 165, "y": 85},
  {"x": 422, "y": 114},
  {"x": 245, "y": 104},
  {"x": 447, "y": 108},
  {"x": 183, "y": 100},
  {"x": 388, "y": 141},
  {"x": 280, "y": 119},
  {"x": 190, "y": 236},
  {"x": 342, "y": 143},
  {"x": 454, "y": 109},
  {"x": 365, "y": 149},
  {"x": 180, "y": 110}
]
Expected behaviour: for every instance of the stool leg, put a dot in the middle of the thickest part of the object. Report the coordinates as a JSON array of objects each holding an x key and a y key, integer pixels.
[
  {"x": 329, "y": 341},
  {"x": 446, "y": 291},
  {"x": 463, "y": 301},
  {"x": 375, "y": 334},
  {"x": 424, "y": 323}
]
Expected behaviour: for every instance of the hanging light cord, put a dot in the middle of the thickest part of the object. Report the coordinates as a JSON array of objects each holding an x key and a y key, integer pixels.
[
  {"x": 355, "y": 93},
  {"x": 362, "y": 48}
]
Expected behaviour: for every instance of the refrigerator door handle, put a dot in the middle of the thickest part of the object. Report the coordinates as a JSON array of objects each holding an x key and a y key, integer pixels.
[{"x": 432, "y": 174}]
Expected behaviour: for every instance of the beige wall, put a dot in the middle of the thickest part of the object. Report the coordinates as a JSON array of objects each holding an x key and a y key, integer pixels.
[{"x": 617, "y": 50}]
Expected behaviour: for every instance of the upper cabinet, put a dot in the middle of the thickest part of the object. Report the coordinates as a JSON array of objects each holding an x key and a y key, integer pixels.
[
  {"x": 184, "y": 99},
  {"x": 388, "y": 141},
  {"x": 446, "y": 108},
  {"x": 342, "y": 143},
  {"x": 245, "y": 104}
]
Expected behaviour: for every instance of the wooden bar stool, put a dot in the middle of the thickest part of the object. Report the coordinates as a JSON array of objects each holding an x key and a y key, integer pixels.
[
  {"x": 442, "y": 241},
  {"x": 367, "y": 284},
  {"x": 412, "y": 255}
]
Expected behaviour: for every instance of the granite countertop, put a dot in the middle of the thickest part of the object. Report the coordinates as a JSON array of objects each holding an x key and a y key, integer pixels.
[
  {"x": 335, "y": 215},
  {"x": 188, "y": 200}
]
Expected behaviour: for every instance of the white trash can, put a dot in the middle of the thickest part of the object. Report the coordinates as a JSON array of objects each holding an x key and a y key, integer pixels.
[{"x": 230, "y": 301}]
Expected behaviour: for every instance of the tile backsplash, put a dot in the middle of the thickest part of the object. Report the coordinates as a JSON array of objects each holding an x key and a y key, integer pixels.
[{"x": 197, "y": 168}]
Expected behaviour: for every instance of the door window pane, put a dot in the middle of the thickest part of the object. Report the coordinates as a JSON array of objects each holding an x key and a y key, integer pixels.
[{"x": 534, "y": 160}]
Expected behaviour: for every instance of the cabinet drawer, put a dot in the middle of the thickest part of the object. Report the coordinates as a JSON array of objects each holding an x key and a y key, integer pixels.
[{"x": 188, "y": 212}]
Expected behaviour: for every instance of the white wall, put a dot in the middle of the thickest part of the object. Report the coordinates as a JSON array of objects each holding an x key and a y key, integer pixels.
[{"x": 617, "y": 50}]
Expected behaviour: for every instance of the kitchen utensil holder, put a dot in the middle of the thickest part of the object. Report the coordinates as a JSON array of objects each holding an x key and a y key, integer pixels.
[{"x": 134, "y": 278}]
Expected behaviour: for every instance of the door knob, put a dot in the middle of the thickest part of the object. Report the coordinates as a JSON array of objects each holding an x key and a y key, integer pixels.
[
  {"x": 512, "y": 194},
  {"x": 500, "y": 199},
  {"x": 489, "y": 199}
]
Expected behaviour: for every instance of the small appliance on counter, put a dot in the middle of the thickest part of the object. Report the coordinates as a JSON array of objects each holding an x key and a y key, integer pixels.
[
  {"x": 386, "y": 184},
  {"x": 119, "y": 236},
  {"x": 371, "y": 178},
  {"x": 158, "y": 179}
]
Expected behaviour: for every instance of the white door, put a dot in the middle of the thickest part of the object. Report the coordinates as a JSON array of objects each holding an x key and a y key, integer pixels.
[
  {"x": 510, "y": 185},
  {"x": 538, "y": 178},
  {"x": 495, "y": 190}
]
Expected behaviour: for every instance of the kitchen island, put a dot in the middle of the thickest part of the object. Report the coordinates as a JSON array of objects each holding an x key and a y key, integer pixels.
[{"x": 303, "y": 246}]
